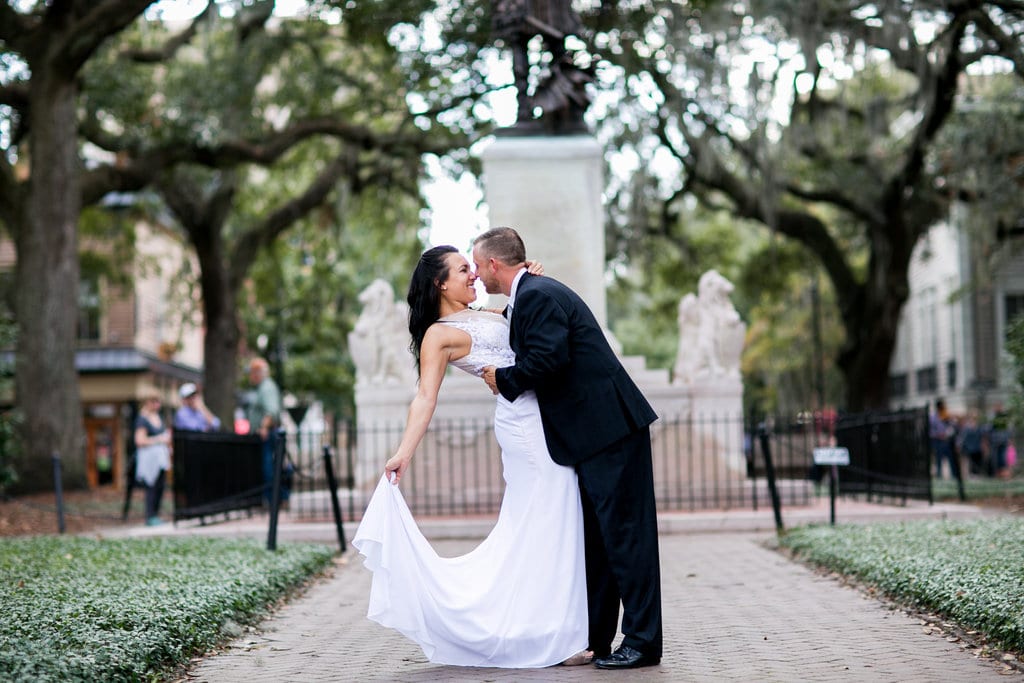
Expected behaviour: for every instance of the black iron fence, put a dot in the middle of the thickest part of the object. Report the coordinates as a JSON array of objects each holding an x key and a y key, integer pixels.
[
  {"x": 890, "y": 454},
  {"x": 216, "y": 473},
  {"x": 701, "y": 462}
]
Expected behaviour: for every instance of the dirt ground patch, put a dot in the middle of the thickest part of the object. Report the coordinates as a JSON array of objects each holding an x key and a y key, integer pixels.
[{"x": 84, "y": 511}]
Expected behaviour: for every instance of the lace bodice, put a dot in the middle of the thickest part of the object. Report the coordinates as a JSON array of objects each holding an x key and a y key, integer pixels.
[{"x": 489, "y": 332}]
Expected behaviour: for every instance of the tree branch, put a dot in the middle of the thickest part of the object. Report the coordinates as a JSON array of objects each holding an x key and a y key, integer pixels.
[
  {"x": 1009, "y": 48},
  {"x": 133, "y": 171},
  {"x": 800, "y": 226},
  {"x": 254, "y": 18},
  {"x": 237, "y": 151},
  {"x": 836, "y": 198},
  {"x": 170, "y": 48},
  {"x": 942, "y": 89},
  {"x": 72, "y": 43},
  {"x": 264, "y": 234}
]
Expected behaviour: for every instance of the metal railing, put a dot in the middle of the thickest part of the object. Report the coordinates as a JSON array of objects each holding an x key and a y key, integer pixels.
[
  {"x": 216, "y": 472},
  {"x": 702, "y": 462},
  {"x": 890, "y": 454}
]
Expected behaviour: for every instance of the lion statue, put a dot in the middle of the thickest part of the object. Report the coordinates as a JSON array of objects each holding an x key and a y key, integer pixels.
[
  {"x": 379, "y": 342},
  {"x": 711, "y": 334}
]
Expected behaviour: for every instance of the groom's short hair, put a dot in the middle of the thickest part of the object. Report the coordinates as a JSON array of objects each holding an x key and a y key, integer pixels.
[{"x": 503, "y": 244}]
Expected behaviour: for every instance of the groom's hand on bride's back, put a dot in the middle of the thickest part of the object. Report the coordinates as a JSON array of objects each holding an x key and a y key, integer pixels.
[{"x": 490, "y": 379}]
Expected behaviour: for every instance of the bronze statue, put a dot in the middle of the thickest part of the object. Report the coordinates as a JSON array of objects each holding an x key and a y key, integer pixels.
[{"x": 561, "y": 97}]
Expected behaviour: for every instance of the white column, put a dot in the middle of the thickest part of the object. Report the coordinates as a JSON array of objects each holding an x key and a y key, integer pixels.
[{"x": 549, "y": 189}]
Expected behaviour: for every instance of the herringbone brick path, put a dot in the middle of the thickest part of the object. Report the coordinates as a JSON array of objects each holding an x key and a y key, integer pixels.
[{"x": 735, "y": 610}]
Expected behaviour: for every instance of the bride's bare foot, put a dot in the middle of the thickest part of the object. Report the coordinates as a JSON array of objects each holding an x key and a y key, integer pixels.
[{"x": 580, "y": 658}]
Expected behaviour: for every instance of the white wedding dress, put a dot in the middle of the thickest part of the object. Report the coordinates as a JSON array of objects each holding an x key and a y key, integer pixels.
[{"x": 517, "y": 600}]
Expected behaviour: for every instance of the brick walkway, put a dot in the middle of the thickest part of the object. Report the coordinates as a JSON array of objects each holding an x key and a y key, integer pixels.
[{"x": 735, "y": 610}]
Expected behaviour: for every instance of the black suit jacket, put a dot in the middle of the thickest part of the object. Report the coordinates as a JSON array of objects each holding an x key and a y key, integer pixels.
[{"x": 587, "y": 399}]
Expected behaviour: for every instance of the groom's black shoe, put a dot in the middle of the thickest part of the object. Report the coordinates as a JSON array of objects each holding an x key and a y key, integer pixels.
[{"x": 626, "y": 658}]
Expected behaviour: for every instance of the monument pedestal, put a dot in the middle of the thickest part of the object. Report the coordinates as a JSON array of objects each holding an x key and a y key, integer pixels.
[{"x": 549, "y": 189}]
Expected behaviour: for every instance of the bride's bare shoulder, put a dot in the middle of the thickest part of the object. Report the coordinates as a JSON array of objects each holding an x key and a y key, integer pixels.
[{"x": 444, "y": 335}]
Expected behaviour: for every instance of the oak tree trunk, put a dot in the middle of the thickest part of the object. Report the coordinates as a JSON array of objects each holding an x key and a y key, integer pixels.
[{"x": 46, "y": 297}]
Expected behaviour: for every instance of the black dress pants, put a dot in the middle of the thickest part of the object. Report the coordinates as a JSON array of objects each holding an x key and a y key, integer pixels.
[{"x": 621, "y": 541}]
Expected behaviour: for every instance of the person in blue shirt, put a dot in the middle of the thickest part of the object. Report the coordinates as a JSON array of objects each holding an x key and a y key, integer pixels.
[{"x": 193, "y": 414}]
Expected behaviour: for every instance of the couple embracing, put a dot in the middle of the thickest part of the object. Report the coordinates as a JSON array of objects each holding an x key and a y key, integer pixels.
[{"x": 576, "y": 535}]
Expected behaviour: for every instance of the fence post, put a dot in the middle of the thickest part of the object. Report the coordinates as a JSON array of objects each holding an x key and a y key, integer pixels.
[
  {"x": 833, "y": 489},
  {"x": 769, "y": 470},
  {"x": 351, "y": 436},
  {"x": 58, "y": 488},
  {"x": 129, "y": 486},
  {"x": 275, "y": 489},
  {"x": 332, "y": 485}
]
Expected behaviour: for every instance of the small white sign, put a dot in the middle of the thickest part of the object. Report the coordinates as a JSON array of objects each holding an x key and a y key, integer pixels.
[{"x": 831, "y": 456}]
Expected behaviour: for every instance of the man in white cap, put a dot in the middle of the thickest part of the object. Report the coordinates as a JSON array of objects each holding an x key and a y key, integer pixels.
[{"x": 193, "y": 414}]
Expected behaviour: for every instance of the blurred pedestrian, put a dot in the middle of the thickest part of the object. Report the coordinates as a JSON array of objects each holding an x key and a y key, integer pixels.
[
  {"x": 942, "y": 433},
  {"x": 193, "y": 414},
  {"x": 972, "y": 443},
  {"x": 152, "y": 454},
  {"x": 263, "y": 415},
  {"x": 999, "y": 437}
]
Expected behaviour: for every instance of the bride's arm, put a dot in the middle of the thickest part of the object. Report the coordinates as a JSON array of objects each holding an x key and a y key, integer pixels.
[
  {"x": 434, "y": 354},
  {"x": 533, "y": 268}
]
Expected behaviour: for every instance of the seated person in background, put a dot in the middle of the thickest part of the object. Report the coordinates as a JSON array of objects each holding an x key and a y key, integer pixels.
[{"x": 193, "y": 414}]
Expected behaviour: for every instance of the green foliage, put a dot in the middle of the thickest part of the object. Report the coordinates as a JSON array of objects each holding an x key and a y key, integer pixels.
[
  {"x": 781, "y": 363},
  {"x": 979, "y": 153},
  {"x": 644, "y": 299},
  {"x": 78, "y": 609},
  {"x": 971, "y": 572},
  {"x": 341, "y": 72},
  {"x": 770, "y": 110},
  {"x": 10, "y": 448},
  {"x": 975, "y": 489},
  {"x": 773, "y": 280},
  {"x": 304, "y": 289}
]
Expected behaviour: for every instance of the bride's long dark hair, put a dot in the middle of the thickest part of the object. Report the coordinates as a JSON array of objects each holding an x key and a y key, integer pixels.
[{"x": 424, "y": 293}]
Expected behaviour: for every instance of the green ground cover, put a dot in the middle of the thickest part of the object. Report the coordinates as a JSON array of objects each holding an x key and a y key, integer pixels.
[
  {"x": 969, "y": 571},
  {"x": 979, "y": 489},
  {"x": 78, "y": 609}
]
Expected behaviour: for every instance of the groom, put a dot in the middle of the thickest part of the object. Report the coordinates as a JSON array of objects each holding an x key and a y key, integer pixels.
[{"x": 595, "y": 419}]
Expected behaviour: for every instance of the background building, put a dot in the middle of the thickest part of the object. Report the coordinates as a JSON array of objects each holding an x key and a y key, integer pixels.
[
  {"x": 952, "y": 333},
  {"x": 145, "y": 333}
]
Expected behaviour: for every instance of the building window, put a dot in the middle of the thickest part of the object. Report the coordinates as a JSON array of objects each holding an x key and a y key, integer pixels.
[
  {"x": 898, "y": 385},
  {"x": 951, "y": 373},
  {"x": 927, "y": 379},
  {"x": 927, "y": 329},
  {"x": 89, "y": 309},
  {"x": 1014, "y": 306}
]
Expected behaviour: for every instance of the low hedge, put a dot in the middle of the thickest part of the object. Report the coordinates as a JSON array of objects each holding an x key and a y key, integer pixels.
[
  {"x": 969, "y": 571},
  {"x": 78, "y": 609}
]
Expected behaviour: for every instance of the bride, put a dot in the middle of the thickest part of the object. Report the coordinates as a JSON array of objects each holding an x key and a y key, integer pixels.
[{"x": 518, "y": 600}]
